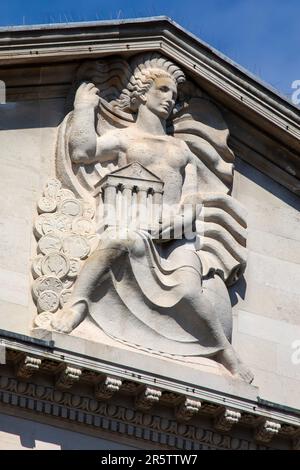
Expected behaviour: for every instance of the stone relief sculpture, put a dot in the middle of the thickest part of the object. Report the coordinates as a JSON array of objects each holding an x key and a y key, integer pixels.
[{"x": 139, "y": 232}]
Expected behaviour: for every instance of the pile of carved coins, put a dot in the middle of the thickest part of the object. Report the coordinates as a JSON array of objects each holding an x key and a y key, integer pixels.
[{"x": 66, "y": 234}]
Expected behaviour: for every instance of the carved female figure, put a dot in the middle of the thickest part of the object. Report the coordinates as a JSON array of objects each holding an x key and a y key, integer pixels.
[{"x": 168, "y": 297}]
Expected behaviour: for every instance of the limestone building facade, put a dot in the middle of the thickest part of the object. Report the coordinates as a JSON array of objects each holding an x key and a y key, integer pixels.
[{"x": 167, "y": 344}]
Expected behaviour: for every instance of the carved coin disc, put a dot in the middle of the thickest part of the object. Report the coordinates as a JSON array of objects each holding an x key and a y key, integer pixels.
[
  {"x": 56, "y": 222},
  {"x": 75, "y": 266},
  {"x": 64, "y": 297},
  {"x": 48, "y": 301},
  {"x": 83, "y": 226},
  {"x": 46, "y": 283},
  {"x": 43, "y": 320},
  {"x": 70, "y": 207},
  {"x": 56, "y": 264},
  {"x": 76, "y": 246},
  {"x": 52, "y": 187},
  {"x": 46, "y": 204},
  {"x": 64, "y": 194},
  {"x": 37, "y": 266},
  {"x": 48, "y": 243},
  {"x": 39, "y": 224}
]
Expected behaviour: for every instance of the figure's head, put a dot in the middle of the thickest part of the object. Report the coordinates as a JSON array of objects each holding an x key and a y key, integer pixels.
[
  {"x": 158, "y": 93},
  {"x": 153, "y": 83}
]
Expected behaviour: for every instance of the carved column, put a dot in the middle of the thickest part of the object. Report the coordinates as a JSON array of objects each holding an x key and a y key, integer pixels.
[
  {"x": 126, "y": 204},
  {"x": 110, "y": 194},
  {"x": 142, "y": 207}
]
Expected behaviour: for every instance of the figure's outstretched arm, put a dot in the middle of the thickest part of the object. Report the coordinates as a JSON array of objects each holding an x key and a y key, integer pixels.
[{"x": 85, "y": 146}]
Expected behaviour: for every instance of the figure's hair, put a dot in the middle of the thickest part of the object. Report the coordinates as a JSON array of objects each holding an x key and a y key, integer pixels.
[{"x": 145, "y": 69}]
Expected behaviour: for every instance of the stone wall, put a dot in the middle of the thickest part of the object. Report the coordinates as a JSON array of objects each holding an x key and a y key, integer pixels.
[
  {"x": 266, "y": 301},
  {"x": 27, "y": 136}
]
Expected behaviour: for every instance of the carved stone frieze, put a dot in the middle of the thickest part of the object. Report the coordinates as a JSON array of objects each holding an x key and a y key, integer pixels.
[
  {"x": 15, "y": 392},
  {"x": 86, "y": 411}
]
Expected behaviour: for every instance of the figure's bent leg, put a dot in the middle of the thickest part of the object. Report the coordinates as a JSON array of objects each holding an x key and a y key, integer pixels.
[
  {"x": 94, "y": 271},
  {"x": 196, "y": 300}
]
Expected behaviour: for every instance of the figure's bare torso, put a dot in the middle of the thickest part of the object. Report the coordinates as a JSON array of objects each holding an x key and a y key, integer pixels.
[{"x": 164, "y": 156}]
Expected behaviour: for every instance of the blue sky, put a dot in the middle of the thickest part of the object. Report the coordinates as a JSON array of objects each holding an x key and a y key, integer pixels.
[{"x": 261, "y": 35}]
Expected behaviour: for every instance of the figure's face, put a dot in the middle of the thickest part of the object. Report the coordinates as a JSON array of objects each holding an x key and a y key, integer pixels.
[{"x": 161, "y": 97}]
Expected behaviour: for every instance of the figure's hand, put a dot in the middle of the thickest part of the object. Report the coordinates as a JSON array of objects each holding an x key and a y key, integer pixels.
[
  {"x": 192, "y": 199},
  {"x": 181, "y": 223},
  {"x": 66, "y": 320},
  {"x": 190, "y": 207},
  {"x": 86, "y": 96}
]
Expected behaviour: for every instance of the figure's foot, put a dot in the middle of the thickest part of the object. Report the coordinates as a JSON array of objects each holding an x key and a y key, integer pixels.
[
  {"x": 244, "y": 373},
  {"x": 66, "y": 320},
  {"x": 231, "y": 361}
]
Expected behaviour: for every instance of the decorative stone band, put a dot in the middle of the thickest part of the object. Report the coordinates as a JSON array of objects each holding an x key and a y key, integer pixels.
[
  {"x": 226, "y": 419},
  {"x": 189, "y": 406},
  {"x": 114, "y": 418}
]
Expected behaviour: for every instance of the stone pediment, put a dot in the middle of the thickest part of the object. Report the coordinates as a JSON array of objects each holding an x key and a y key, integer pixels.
[
  {"x": 133, "y": 174},
  {"x": 256, "y": 114}
]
